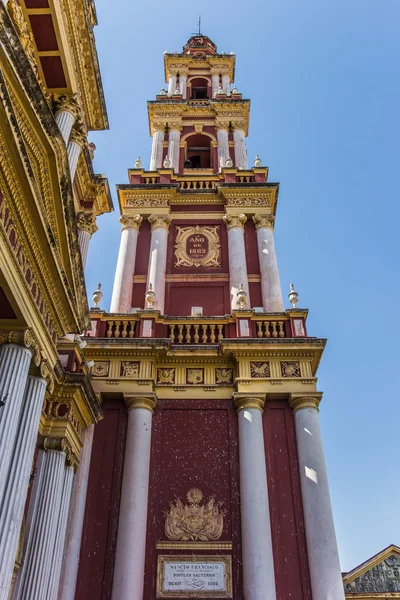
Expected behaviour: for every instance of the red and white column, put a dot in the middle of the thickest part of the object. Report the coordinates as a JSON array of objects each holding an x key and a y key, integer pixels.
[
  {"x": 158, "y": 258},
  {"x": 121, "y": 301},
  {"x": 270, "y": 281},
  {"x": 237, "y": 257}
]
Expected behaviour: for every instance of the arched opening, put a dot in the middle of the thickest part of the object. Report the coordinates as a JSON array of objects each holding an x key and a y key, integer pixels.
[
  {"x": 199, "y": 88},
  {"x": 198, "y": 153}
]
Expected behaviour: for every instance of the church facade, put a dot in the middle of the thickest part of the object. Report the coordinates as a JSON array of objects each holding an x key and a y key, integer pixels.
[{"x": 169, "y": 447}]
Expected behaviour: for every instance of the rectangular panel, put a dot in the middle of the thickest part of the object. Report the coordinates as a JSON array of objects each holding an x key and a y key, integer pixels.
[
  {"x": 194, "y": 577},
  {"x": 211, "y": 296}
]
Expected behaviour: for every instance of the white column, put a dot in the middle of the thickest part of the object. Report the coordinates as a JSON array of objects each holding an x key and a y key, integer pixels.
[
  {"x": 52, "y": 592},
  {"x": 226, "y": 84},
  {"x": 65, "y": 121},
  {"x": 173, "y": 147},
  {"x": 76, "y": 141},
  {"x": 183, "y": 84},
  {"x": 237, "y": 257},
  {"x": 157, "y": 149},
  {"x": 215, "y": 85},
  {"x": 14, "y": 366},
  {"x": 33, "y": 579},
  {"x": 270, "y": 282},
  {"x": 223, "y": 148},
  {"x": 171, "y": 85},
  {"x": 121, "y": 301},
  {"x": 239, "y": 137},
  {"x": 69, "y": 571},
  {"x": 257, "y": 555},
  {"x": 84, "y": 239},
  {"x": 16, "y": 488},
  {"x": 323, "y": 556},
  {"x": 131, "y": 541},
  {"x": 158, "y": 258}
]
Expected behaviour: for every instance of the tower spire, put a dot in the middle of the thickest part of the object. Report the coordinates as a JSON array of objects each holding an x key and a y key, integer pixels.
[{"x": 199, "y": 24}]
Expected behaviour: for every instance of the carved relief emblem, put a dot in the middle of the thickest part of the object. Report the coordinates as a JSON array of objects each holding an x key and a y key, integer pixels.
[
  {"x": 194, "y": 521},
  {"x": 194, "y": 376},
  {"x": 223, "y": 376},
  {"x": 129, "y": 369},
  {"x": 197, "y": 247},
  {"x": 290, "y": 369},
  {"x": 165, "y": 375},
  {"x": 260, "y": 369},
  {"x": 101, "y": 369}
]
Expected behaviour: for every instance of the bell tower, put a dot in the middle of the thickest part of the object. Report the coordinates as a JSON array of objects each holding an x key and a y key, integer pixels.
[{"x": 220, "y": 489}]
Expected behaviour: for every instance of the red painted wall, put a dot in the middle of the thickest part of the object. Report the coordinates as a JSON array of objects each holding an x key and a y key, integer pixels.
[
  {"x": 250, "y": 241},
  {"x": 143, "y": 248},
  {"x": 194, "y": 444},
  {"x": 100, "y": 527},
  {"x": 286, "y": 508},
  {"x": 182, "y": 296}
]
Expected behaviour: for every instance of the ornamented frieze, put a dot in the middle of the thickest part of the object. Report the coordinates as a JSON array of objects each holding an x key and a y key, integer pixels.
[
  {"x": 290, "y": 369},
  {"x": 224, "y": 376},
  {"x": 129, "y": 369},
  {"x": 195, "y": 376},
  {"x": 382, "y": 578},
  {"x": 197, "y": 247},
  {"x": 101, "y": 368},
  {"x": 195, "y": 521},
  {"x": 166, "y": 376},
  {"x": 260, "y": 369}
]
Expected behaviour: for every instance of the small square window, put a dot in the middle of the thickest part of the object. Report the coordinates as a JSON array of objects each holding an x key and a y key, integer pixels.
[{"x": 197, "y": 311}]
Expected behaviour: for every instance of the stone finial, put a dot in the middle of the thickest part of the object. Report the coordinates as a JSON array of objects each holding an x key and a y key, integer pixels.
[
  {"x": 97, "y": 296},
  {"x": 235, "y": 220},
  {"x": 257, "y": 161},
  {"x": 131, "y": 222},
  {"x": 138, "y": 163},
  {"x": 220, "y": 92},
  {"x": 261, "y": 220},
  {"x": 241, "y": 296},
  {"x": 91, "y": 148},
  {"x": 162, "y": 221},
  {"x": 163, "y": 92},
  {"x": 178, "y": 92},
  {"x": 293, "y": 296},
  {"x": 235, "y": 90},
  {"x": 167, "y": 162},
  {"x": 150, "y": 297},
  {"x": 228, "y": 163}
]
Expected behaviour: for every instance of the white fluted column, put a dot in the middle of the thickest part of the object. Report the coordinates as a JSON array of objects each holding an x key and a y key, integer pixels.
[
  {"x": 257, "y": 555},
  {"x": 69, "y": 571},
  {"x": 131, "y": 541},
  {"x": 226, "y": 84},
  {"x": 323, "y": 555},
  {"x": 239, "y": 136},
  {"x": 215, "y": 84},
  {"x": 14, "y": 366},
  {"x": 237, "y": 257},
  {"x": 158, "y": 258},
  {"x": 76, "y": 140},
  {"x": 33, "y": 579},
  {"x": 12, "y": 508},
  {"x": 171, "y": 84},
  {"x": 121, "y": 301},
  {"x": 86, "y": 227},
  {"x": 67, "y": 111},
  {"x": 270, "y": 281},
  {"x": 173, "y": 146},
  {"x": 84, "y": 239},
  {"x": 183, "y": 83},
  {"x": 52, "y": 591},
  {"x": 156, "y": 160},
  {"x": 223, "y": 147}
]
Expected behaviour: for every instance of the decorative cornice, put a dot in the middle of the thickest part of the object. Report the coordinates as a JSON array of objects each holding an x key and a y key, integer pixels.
[
  {"x": 148, "y": 402},
  {"x": 261, "y": 220},
  {"x": 300, "y": 401},
  {"x": 244, "y": 401},
  {"x": 160, "y": 221},
  {"x": 129, "y": 222},
  {"x": 235, "y": 221}
]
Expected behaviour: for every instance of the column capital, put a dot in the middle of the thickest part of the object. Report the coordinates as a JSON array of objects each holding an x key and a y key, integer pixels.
[
  {"x": 158, "y": 126},
  {"x": 148, "y": 401},
  {"x": 235, "y": 220},
  {"x": 239, "y": 125},
  {"x": 262, "y": 220},
  {"x": 244, "y": 401},
  {"x": 129, "y": 222},
  {"x": 68, "y": 103},
  {"x": 158, "y": 221},
  {"x": 25, "y": 338},
  {"x": 222, "y": 125},
  {"x": 78, "y": 134},
  {"x": 86, "y": 222},
  {"x": 300, "y": 401}
]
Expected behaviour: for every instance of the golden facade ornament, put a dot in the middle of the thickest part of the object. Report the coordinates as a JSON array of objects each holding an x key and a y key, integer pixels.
[
  {"x": 101, "y": 369},
  {"x": 248, "y": 202},
  {"x": 197, "y": 246},
  {"x": 160, "y": 221},
  {"x": 86, "y": 222},
  {"x": 195, "y": 376},
  {"x": 158, "y": 126},
  {"x": 129, "y": 369},
  {"x": 261, "y": 220},
  {"x": 194, "y": 521},
  {"x": 235, "y": 220},
  {"x": 290, "y": 369},
  {"x": 66, "y": 103},
  {"x": 78, "y": 134},
  {"x": 147, "y": 202},
  {"x": 26, "y": 37},
  {"x": 243, "y": 401},
  {"x": 198, "y": 127},
  {"x": 165, "y": 375},
  {"x": 175, "y": 125},
  {"x": 260, "y": 369},
  {"x": 223, "y": 376},
  {"x": 241, "y": 124},
  {"x": 129, "y": 222}
]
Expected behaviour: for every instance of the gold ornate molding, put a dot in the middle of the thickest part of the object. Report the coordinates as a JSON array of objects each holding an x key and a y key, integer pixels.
[
  {"x": 194, "y": 521},
  {"x": 246, "y": 401},
  {"x": 261, "y": 220},
  {"x": 239, "y": 125},
  {"x": 148, "y": 402},
  {"x": 162, "y": 221},
  {"x": 205, "y": 250},
  {"x": 235, "y": 220},
  {"x": 300, "y": 401},
  {"x": 78, "y": 134},
  {"x": 129, "y": 222},
  {"x": 86, "y": 222},
  {"x": 159, "y": 126},
  {"x": 68, "y": 103}
]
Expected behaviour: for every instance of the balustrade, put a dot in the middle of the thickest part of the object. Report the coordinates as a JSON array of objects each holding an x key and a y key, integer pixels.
[
  {"x": 120, "y": 328},
  {"x": 206, "y": 184},
  {"x": 188, "y": 333},
  {"x": 271, "y": 329}
]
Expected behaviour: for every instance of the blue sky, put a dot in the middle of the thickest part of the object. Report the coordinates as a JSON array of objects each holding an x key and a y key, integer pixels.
[{"x": 323, "y": 79}]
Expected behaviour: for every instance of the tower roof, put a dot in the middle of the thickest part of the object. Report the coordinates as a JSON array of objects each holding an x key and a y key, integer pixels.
[{"x": 199, "y": 45}]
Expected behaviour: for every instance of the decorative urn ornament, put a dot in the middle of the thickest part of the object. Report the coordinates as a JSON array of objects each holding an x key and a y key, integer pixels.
[
  {"x": 257, "y": 161},
  {"x": 235, "y": 90},
  {"x": 150, "y": 297},
  {"x": 229, "y": 163},
  {"x": 97, "y": 296},
  {"x": 220, "y": 92},
  {"x": 293, "y": 296},
  {"x": 241, "y": 296},
  {"x": 163, "y": 92},
  {"x": 138, "y": 163},
  {"x": 167, "y": 162}
]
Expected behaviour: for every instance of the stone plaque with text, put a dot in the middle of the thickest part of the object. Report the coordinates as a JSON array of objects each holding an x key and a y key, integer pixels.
[{"x": 194, "y": 576}]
